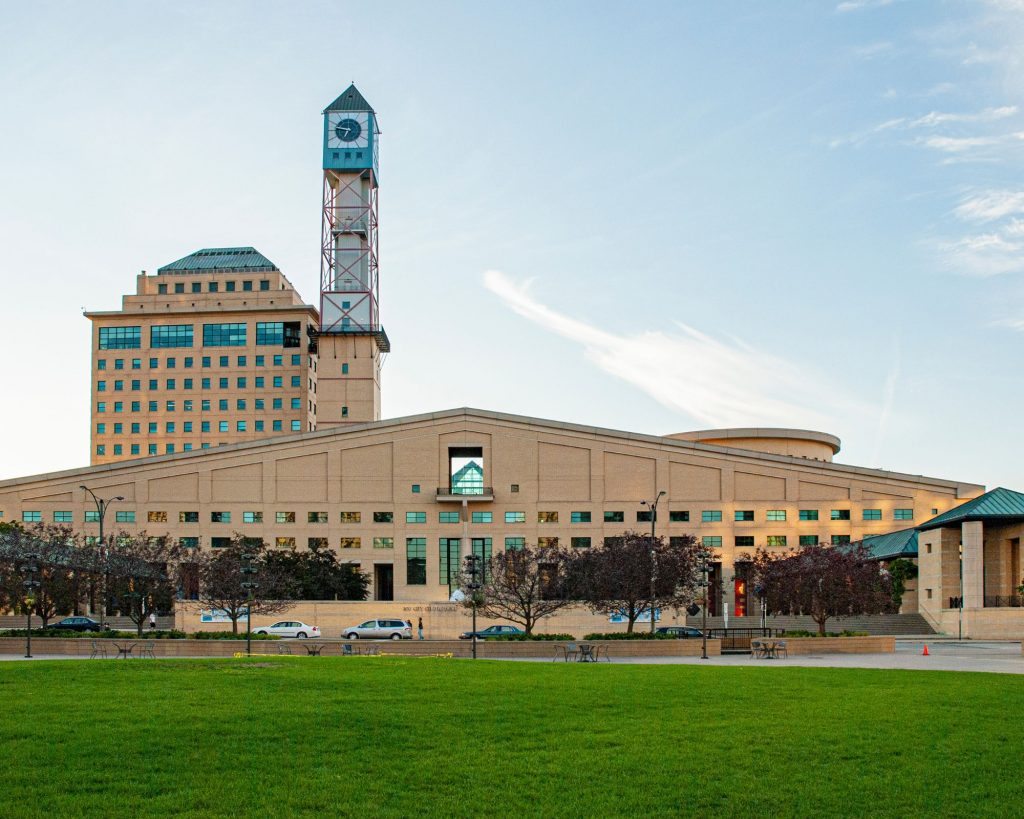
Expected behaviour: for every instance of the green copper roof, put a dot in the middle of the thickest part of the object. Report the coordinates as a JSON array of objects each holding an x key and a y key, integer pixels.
[
  {"x": 350, "y": 100},
  {"x": 997, "y": 504},
  {"x": 895, "y": 544},
  {"x": 241, "y": 259}
]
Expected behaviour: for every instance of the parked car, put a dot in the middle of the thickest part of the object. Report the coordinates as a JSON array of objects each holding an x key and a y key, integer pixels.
[
  {"x": 379, "y": 629},
  {"x": 680, "y": 632},
  {"x": 491, "y": 631},
  {"x": 289, "y": 628},
  {"x": 76, "y": 624}
]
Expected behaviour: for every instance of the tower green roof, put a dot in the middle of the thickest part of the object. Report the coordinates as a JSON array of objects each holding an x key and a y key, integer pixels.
[
  {"x": 228, "y": 259},
  {"x": 997, "y": 504},
  {"x": 350, "y": 100}
]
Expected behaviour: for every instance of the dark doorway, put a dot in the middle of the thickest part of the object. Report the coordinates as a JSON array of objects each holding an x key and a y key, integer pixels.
[{"x": 383, "y": 581}]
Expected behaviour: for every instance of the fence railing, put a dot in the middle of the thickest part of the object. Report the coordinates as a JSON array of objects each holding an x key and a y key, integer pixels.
[
  {"x": 1004, "y": 601},
  {"x": 738, "y": 639}
]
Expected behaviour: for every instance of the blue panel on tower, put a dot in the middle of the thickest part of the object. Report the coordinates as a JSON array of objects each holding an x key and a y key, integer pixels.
[{"x": 350, "y": 139}]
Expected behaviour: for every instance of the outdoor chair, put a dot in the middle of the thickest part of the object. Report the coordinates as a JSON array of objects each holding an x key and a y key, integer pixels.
[
  {"x": 780, "y": 649},
  {"x": 148, "y": 650},
  {"x": 602, "y": 651},
  {"x": 284, "y": 648},
  {"x": 757, "y": 648},
  {"x": 98, "y": 651},
  {"x": 348, "y": 650}
]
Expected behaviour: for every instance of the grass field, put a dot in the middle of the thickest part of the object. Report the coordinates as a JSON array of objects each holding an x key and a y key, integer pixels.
[{"x": 423, "y": 737}]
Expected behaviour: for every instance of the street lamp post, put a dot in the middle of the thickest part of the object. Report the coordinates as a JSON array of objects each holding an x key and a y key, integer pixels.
[
  {"x": 248, "y": 572},
  {"x": 473, "y": 568},
  {"x": 29, "y": 569},
  {"x": 654, "y": 554},
  {"x": 704, "y": 607},
  {"x": 960, "y": 600},
  {"x": 101, "y": 511}
]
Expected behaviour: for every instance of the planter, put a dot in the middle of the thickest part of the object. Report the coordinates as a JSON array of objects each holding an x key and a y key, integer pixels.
[{"x": 877, "y": 644}]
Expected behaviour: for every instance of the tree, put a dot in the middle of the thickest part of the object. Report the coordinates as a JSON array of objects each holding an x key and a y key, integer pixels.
[
  {"x": 319, "y": 575},
  {"x": 823, "y": 582},
  {"x": 143, "y": 574},
  {"x": 53, "y": 550},
  {"x": 900, "y": 570},
  {"x": 219, "y": 576},
  {"x": 615, "y": 578},
  {"x": 523, "y": 585}
]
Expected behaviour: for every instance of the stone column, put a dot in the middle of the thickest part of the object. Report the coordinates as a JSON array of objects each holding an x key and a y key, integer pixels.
[{"x": 972, "y": 535}]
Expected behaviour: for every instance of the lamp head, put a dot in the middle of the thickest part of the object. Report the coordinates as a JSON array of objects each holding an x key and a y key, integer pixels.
[{"x": 119, "y": 498}]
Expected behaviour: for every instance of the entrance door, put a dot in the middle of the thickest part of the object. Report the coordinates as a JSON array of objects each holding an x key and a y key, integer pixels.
[{"x": 383, "y": 581}]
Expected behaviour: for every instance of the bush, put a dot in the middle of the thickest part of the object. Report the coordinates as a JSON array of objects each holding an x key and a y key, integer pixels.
[
  {"x": 512, "y": 638},
  {"x": 805, "y": 633},
  {"x": 623, "y": 635},
  {"x": 95, "y": 635},
  {"x": 228, "y": 635}
]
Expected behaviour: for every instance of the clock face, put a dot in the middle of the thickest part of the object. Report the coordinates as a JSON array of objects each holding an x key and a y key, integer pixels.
[{"x": 348, "y": 129}]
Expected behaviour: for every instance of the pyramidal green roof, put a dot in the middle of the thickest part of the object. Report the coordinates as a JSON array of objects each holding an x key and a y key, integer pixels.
[
  {"x": 892, "y": 545},
  {"x": 350, "y": 100},
  {"x": 208, "y": 259},
  {"x": 999, "y": 503}
]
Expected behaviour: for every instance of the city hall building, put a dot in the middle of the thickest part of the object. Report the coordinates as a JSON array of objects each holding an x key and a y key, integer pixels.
[{"x": 223, "y": 403}]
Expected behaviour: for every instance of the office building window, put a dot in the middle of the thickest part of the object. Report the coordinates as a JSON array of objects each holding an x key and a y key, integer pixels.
[
  {"x": 101, "y": 364},
  {"x": 383, "y": 517},
  {"x": 415, "y": 489},
  {"x": 296, "y": 426},
  {"x": 351, "y": 517},
  {"x": 240, "y": 426},
  {"x": 775, "y": 514},
  {"x": 679, "y": 517},
  {"x": 744, "y": 514},
  {"x": 223, "y": 335},
  {"x": 580, "y": 542},
  {"x": 124, "y": 517},
  {"x": 134, "y": 449},
  {"x": 296, "y": 403},
  {"x": 744, "y": 541},
  {"x": 172, "y": 335},
  {"x": 515, "y": 517},
  {"x": 711, "y": 516},
  {"x": 872, "y": 514},
  {"x": 840, "y": 514},
  {"x": 547, "y": 542},
  {"x": 808, "y": 514},
  {"x": 351, "y": 543},
  {"x": 276, "y": 426},
  {"x": 416, "y": 561},
  {"x": 188, "y": 517},
  {"x": 903, "y": 514},
  {"x": 118, "y": 449},
  {"x": 448, "y": 548},
  {"x": 448, "y": 517},
  {"x": 264, "y": 284},
  {"x": 259, "y": 382},
  {"x": 101, "y": 386},
  {"x": 415, "y": 517},
  {"x": 188, "y": 542},
  {"x": 515, "y": 543},
  {"x": 252, "y": 517},
  {"x": 222, "y": 426},
  {"x": 32, "y": 517},
  {"x": 776, "y": 540},
  {"x": 120, "y": 338},
  {"x": 269, "y": 333},
  {"x": 101, "y": 449},
  {"x": 614, "y": 517},
  {"x": 278, "y": 381},
  {"x": 92, "y": 517},
  {"x": 316, "y": 517},
  {"x": 711, "y": 541},
  {"x": 643, "y": 516},
  {"x": 808, "y": 540},
  {"x": 62, "y": 517},
  {"x": 136, "y": 363},
  {"x": 839, "y": 540},
  {"x": 156, "y": 517},
  {"x": 101, "y": 406},
  {"x": 344, "y": 369},
  {"x": 284, "y": 517},
  {"x": 547, "y": 517},
  {"x": 383, "y": 543},
  {"x": 483, "y": 517},
  {"x": 220, "y": 517}
]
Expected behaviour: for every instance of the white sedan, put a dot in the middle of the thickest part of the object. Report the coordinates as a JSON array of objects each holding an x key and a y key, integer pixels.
[{"x": 289, "y": 628}]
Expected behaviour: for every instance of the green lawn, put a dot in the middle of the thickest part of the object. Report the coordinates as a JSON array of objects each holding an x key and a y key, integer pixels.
[{"x": 422, "y": 737}]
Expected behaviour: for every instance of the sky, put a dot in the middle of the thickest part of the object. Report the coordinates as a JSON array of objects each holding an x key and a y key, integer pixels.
[{"x": 669, "y": 217}]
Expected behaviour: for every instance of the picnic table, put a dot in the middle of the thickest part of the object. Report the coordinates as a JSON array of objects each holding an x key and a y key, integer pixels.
[{"x": 313, "y": 649}]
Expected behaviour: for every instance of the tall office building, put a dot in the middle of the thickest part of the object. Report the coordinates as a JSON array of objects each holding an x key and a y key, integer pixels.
[{"x": 216, "y": 348}]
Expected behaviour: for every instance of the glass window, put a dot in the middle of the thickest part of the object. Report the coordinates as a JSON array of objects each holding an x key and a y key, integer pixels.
[
  {"x": 247, "y": 285},
  {"x": 222, "y": 426},
  {"x": 32, "y": 517},
  {"x": 259, "y": 382},
  {"x": 515, "y": 517},
  {"x": 276, "y": 426},
  {"x": 276, "y": 404},
  {"x": 449, "y": 560},
  {"x": 678, "y": 517},
  {"x": 744, "y": 541},
  {"x": 711, "y": 516},
  {"x": 808, "y": 514},
  {"x": 278, "y": 360},
  {"x": 188, "y": 542},
  {"x": 264, "y": 284},
  {"x": 415, "y": 517},
  {"x": 134, "y": 449},
  {"x": 220, "y": 517},
  {"x": 547, "y": 517},
  {"x": 644, "y": 516},
  {"x": 383, "y": 517},
  {"x": 744, "y": 514},
  {"x": 614, "y": 517},
  {"x": 223, "y": 335},
  {"x": 580, "y": 542},
  {"x": 296, "y": 426},
  {"x": 416, "y": 561},
  {"x": 278, "y": 381},
  {"x": 547, "y": 542},
  {"x": 171, "y": 335},
  {"x": 776, "y": 540},
  {"x": 101, "y": 364},
  {"x": 285, "y": 542},
  {"x": 120, "y": 338},
  {"x": 351, "y": 543},
  {"x": 101, "y": 386},
  {"x": 515, "y": 542},
  {"x": 483, "y": 517},
  {"x": 775, "y": 514},
  {"x": 448, "y": 517},
  {"x": 840, "y": 514},
  {"x": 269, "y": 334},
  {"x": 838, "y": 540},
  {"x": 711, "y": 541},
  {"x": 872, "y": 514},
  {"x": 252, "y": 517},
  {"x": 136, "y": 363},
  {"x": 579, "y": 517},
  {"x": 156, "y": 517},
  {"x": 62, "y": 517},
  {"x": 188, "y": 517},
  {"x": 124, "y": 517},
  {"x": 383, "y": 543},
  {"x": 188, "y": 361},
  {"x": 92, "y": 517},
  {"x": 240, "y": 426},
  {"x": 285, "y": 517},
  {"x": 808, "y": 540},
  {"x": 101, "y": 406},
  {"x": 316, "y": 517},
  {"x": 903, "y": 514},
  {"x": 213, "y": 287}
]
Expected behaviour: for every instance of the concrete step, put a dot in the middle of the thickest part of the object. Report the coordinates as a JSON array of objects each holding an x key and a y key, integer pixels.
[{"x": 884, "y": 624}]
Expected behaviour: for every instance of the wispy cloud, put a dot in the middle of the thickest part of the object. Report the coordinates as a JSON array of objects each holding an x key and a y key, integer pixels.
[
  {"x": 859, "y": 5},
  {"x": 1013, "y": 324},
  {"x": 983, "y": 255},
  {"x": 872, "y": 50},
  {"x": 934, "y": 118},
  {"x": 990, "y": 205},
  {"x": 716, "y": 382}
]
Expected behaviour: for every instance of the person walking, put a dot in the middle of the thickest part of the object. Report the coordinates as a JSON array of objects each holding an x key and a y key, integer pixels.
[
  {"x": 152, "y": 619},
  {"x": 419, "y": 628}
]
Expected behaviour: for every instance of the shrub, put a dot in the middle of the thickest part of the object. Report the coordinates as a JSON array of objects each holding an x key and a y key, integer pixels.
[
  {"x": 229, "y": 635},
  {"x": 512, "y": 638},
  {"x": 622, "y": 635},
  {"x": 805, "y": 633},
  {"x": 94, "y": 635}
]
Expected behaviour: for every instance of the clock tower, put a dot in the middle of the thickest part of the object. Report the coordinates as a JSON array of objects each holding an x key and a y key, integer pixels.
[{"x": 352, "y": 341}]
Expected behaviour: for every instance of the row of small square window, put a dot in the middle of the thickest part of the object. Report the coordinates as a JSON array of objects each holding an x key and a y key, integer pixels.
[
  {"x": 170, "y": 427},
  {"x": 205, "y": 405},
  {"x": 241, "y": 382},
  {"x": 747, "y": 541},
  {"x": 207, "y": 361},
  {"x": 213, "y": 287},
  {"x": 268, "y": 334},
  {"x": 715, "y": 515}
]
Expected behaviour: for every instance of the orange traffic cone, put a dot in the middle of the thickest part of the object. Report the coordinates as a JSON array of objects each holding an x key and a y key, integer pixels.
[{"x": 925, "y": 652}]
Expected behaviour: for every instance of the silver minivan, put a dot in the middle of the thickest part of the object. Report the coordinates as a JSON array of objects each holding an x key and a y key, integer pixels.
[{"x": 379, "y": 629}]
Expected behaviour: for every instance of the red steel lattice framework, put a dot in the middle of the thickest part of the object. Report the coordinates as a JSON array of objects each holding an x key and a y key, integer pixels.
[{"x": 359, "y": 220}]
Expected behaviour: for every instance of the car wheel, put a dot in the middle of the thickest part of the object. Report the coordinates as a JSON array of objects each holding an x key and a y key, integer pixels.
[
  {"x": 259, "y": 632},
  {"x": 352, "y": 636},
  {"x": 301, "y": 635},
  {"x": 396, "y": 636}
]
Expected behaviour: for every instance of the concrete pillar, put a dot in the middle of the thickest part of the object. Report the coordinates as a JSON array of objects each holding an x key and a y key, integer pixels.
[{"x": 972, "y": 535}]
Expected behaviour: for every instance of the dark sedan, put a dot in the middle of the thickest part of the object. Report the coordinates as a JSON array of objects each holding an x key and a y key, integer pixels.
[
  {"x": 680, "y": 632},
  {"x": 76, "y": 624},
  {"x": 491, "y": 631}
]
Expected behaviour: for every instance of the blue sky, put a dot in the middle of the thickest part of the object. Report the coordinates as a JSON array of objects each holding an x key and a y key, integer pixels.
[{"x": 688, "y": 216}]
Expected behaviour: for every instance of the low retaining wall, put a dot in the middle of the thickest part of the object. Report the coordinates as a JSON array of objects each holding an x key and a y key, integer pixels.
[
  {"x": 840, "y": 645},
  {"x": 458, "y": 648}
]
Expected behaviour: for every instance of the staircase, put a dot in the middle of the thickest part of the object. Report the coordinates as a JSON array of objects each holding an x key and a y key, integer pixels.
[{"x": 887, "y": 624}]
